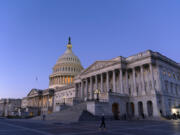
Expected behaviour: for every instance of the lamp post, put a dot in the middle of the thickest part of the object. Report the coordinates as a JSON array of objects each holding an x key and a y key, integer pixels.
[{"x": 97, "y": 92}]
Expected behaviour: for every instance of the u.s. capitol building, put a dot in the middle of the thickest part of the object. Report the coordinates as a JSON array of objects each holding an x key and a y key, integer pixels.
[{"x": 145, "y": 84}]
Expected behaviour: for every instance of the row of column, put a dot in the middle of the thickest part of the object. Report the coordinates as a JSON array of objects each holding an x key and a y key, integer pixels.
[
  {"x": 141, "y": 87},
  {"x": 40, "y": 102},
  {"x": 61, "y": 80},
  {"x": 84, "y": 84}
]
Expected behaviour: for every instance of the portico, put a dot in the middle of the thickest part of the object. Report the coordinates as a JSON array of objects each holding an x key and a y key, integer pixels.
[{"x": 131, "y": 81}]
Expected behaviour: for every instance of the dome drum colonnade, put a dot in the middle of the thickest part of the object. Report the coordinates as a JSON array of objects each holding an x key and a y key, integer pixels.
[{"x": 67, "y": 66}]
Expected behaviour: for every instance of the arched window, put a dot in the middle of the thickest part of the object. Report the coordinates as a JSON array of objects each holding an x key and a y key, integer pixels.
[{"x": 150, "y": 108}]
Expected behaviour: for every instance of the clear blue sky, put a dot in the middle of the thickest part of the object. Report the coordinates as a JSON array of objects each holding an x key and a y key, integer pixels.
[{"x": 34, "y": 33}]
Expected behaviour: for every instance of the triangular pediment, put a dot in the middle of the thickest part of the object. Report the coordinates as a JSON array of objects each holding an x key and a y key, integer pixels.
[
  {"x": 33, "y": 92},
  {"x": 98, "y": 65}
]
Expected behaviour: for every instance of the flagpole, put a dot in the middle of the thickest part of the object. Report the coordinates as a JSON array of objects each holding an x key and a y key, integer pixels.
[{"x": 36, "y": 82}]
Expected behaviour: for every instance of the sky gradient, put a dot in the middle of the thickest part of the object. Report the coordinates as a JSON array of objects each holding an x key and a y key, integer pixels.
[{"x": 34, "y": 33}]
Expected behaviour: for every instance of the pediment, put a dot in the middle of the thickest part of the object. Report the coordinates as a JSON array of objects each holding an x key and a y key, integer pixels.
[
  {"x": 98, "y": 65},
  {"x": 33, "y": 92}
]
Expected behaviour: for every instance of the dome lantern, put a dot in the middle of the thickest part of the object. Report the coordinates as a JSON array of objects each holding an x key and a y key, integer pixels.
[{"x": 69, "y": 45}]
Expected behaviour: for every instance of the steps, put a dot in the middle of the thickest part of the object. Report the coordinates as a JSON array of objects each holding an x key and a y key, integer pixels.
[{"x": 71, "y": 114}]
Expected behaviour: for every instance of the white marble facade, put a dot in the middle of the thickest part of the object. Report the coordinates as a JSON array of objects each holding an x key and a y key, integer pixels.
[
  {"x": 147, "y": 83},
  {"x": 9, "y": 107},
  {"x": 64, "y": 96}
]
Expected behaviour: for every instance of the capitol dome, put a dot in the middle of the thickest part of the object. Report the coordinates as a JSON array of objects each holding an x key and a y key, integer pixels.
[{"x": 66, "y": 68}]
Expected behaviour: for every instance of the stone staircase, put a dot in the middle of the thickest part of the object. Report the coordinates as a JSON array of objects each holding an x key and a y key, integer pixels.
[{"x": 71, "y": 114}]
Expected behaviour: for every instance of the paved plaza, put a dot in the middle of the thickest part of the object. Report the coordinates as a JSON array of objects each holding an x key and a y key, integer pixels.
[{"x": 27, "y": 127}]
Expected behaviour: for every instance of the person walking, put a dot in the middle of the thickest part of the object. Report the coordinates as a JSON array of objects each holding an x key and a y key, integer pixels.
[{"x": 103, "y": 125}]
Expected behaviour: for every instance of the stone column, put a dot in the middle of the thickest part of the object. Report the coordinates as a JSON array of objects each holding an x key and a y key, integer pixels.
[
  {"x": 87, "y": 89},
  {"x": 142, "y": 81},
  {"x": 71, "y": 80},
  {"x": 67, "y": 79},
  {"x": 91, "y": 88},
  {"x": 120, "y": 81},
  {"x": 54, "y": 80},
  {"x": 107, "y": 81},
  {"x": 58, "y": 79},
  {"x": 53, "y": 103},
  {"x": 136, "y": 109},
  {"x": 102, "y": 82},
  {"x": 152, "y": 76},
  {"x": 96, "y": 83},
  {"x": 82, "y": 90},
  {"x": 63, "y": 79},
  {"x": 114, "y": 81},
  {"x": 47, "y": 103},
  {"x": 155, "y": 108},
  {"x": 127, "y": 82},
  {"x": 134, "y": 83},
  {"x": 145, "y": 110}
]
